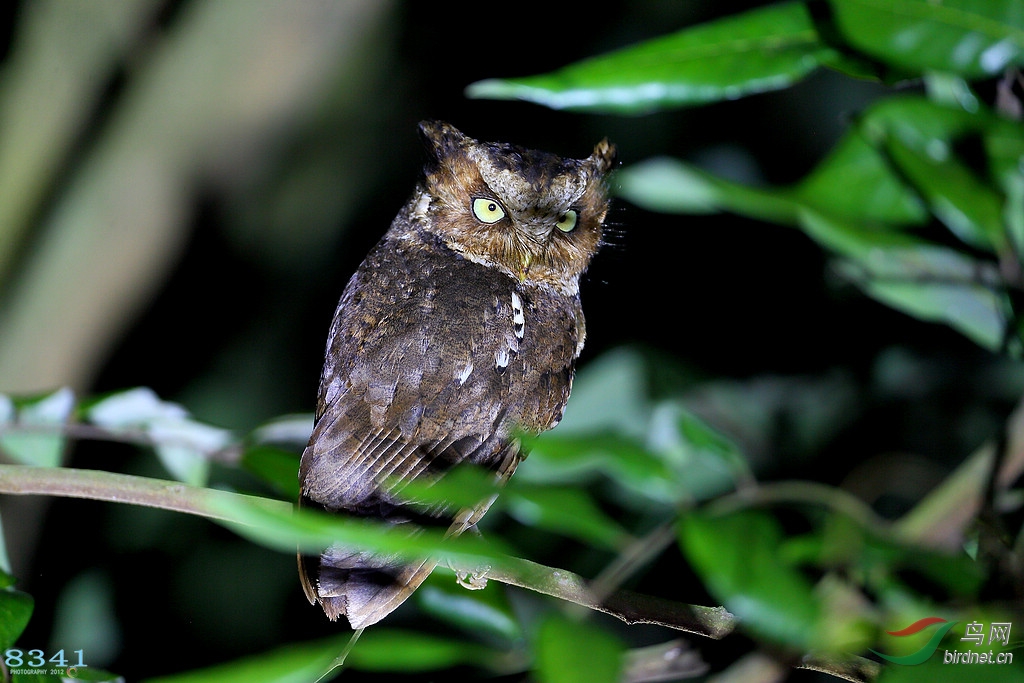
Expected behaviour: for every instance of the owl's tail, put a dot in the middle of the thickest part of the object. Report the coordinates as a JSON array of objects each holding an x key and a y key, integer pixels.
[{"x": 362, "y": 587}]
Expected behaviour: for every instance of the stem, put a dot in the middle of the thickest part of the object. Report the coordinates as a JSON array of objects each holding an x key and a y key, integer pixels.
[
  {"x": 630, "y": 607},
  {"x": 124, "y": 488}
]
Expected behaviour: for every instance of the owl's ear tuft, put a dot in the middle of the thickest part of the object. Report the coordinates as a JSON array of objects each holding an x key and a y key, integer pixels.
[
  {"x": 441, "y": 140},
  {"x": 604, "y": 156}
]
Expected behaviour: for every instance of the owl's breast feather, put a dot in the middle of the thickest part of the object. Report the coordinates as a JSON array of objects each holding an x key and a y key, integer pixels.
[{"x": 460, "y": 345}]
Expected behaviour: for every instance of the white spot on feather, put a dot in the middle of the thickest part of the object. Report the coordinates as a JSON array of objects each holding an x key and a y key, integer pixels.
[
  {"x": 518, "y": 318},
  {"x": 463, "y": 374}
]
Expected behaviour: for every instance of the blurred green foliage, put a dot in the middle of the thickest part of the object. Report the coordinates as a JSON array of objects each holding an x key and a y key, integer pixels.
[{"x": 919, "y": 205}]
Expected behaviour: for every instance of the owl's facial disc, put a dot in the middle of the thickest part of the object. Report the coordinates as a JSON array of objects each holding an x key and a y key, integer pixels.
[{"x": 535, "y": 216}]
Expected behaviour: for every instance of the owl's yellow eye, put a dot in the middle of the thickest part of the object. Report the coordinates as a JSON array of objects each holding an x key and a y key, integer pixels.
[
  {"x": 487, "y": 210},
  {"x": 567, "y": 221}
]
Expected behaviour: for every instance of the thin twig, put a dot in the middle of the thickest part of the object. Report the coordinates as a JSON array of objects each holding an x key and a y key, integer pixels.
[
  {"x": 636, "y": 554},
  {"x": 806, "y": 492}
]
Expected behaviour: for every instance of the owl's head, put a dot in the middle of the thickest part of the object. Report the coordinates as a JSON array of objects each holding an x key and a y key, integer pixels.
[{"x": 534, "y": 215}]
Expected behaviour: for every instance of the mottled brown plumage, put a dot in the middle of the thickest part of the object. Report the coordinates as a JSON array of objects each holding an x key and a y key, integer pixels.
[{"x": 460, "y": 328}]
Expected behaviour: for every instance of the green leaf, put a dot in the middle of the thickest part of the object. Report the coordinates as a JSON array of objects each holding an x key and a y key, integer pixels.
[
  {"x": 15, "y": 611},
  {"x": 935, "y": 131},
  {"x": 382, "y": 649},
  {"x": 85, "y": 617},
  {"x": 276, "y": 466},
  {"x": 971, "y": 210},
  {"x": 484, "y": 611},
  {"x": 465, "y": 486},
  {"x": 182, "y": 444},
  {"x": 972, "y": 310},
  {"x": 855, "y": 181},
  {"x": 852, "y": 239},
  {"x": 45, "y": 414},
  {"x": 571, "y": 512},
  {"x": 880, "y": 561},
  {"x": 576, "y": 652},
  {"x": 312, "y": 531},
  {"x": 609, "y": 393},
  {"x": 967, "y": 37},
  {"x": 295, "y": 663},
  {"x": 706, "y": 462},
  {"x": 671, "y": 186},
  {"x": 6, "y": 579},
  {"x": 935, "y": 284},
  {"x": 926, "y": 281},
  {"x": 737, "y": 557},
  {"x": 624, "y": 460},
  {"x": 950, "y": 90},
  {"x": 763, "y": 49}
]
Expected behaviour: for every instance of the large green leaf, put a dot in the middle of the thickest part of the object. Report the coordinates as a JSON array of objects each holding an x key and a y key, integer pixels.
[
  {"x": 852, "y": 239},
  {"x": 295, "y": 663},
  {"x": 856, "y": 181},
  {"x": 737, "y": 557},
  {"x": 764, "y": 49},
  {"x": 576, "y": 652},
  {"x": 567, "y": 511},
  {"x": 921, "y": 138},
  {"x": 313, "y": 531},
  {"x": 464, "y": 486},
  {"x": 974, "y": 38}
]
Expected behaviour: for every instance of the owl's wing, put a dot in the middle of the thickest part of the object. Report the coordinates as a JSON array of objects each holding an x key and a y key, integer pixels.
[
  {"x": 366, "y": 588},
  {"x": 424, "y": 372},
  {"x": 433, "y": 361}
]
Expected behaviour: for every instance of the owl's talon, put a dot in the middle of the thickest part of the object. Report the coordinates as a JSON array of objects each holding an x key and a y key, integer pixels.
[{"x": 472, "y": 581}]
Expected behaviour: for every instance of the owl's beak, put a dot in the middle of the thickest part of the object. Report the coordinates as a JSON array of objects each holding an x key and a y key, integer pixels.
[{"x": 527, "y": 259}]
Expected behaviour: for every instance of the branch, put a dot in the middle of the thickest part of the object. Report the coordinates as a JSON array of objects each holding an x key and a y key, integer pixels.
[
  {"x": 125, "y": 488},
  {"x": 630, "y": 607}
]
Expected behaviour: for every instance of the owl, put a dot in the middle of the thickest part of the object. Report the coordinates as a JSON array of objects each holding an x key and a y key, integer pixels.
[{"x": 458, "y": 332}]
